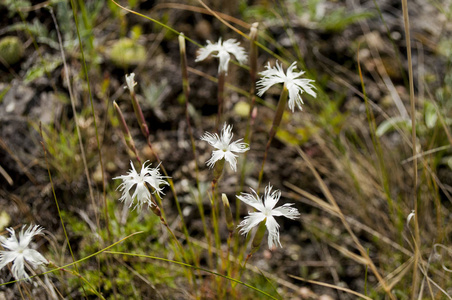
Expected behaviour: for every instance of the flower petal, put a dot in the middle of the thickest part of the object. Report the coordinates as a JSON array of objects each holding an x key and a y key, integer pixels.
[
  {"x": 296, "y": 86},
  {"x": 287, "y": 211},
  {"x": 239, "y": 147},
  {"x": 273, "y": 232},
  {"x": 25, "y": 237},
  {"x": 18, "y": 268},
  {"x": 231, "y": 159},
  {"x": 251, "y": 221},
  {"x": 34, "y": 258},
  {"x": 216, "y": 156},
  {"x": 6, "y": 257},
  {"x": 252, "y": 200},
  {"x": 212, "y": 139},
  {"x": 271, "y": 198},
  {"x": 203, "y": 53},
  {"x": 233, "y": 47}
]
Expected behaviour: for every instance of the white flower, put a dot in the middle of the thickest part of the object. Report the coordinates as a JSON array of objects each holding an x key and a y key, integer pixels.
[
  {"x": 18, "y": 251},
  {"x": 224, "y": 146},
  {"x": 130, "y": 82},
  {"x": 266, "y": 212},
  {"x": 223, "y": 52},
  {"x": 148, "y": 175},
  {"x": 295, "y": 85}
]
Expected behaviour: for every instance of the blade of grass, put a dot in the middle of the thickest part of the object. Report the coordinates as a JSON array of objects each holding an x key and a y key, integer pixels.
[
  {"x": 85, "y": 69},
  {"x": 80, "y": 260},
  {"x": 196, "y": 268},
  {"x": 331, "y": 286},
  {"x": 104, "y": 192},
  {"x": 417, "y": 238},
  {"x": 333, "y": 202},
  {"x": 74, "y": 111},
  {"x": 56, "y": 203},
  {"x": 378, "y": 150}
]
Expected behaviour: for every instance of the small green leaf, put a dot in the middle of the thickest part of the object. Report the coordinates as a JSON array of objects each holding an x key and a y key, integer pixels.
[{"x": 392, "y": 124}]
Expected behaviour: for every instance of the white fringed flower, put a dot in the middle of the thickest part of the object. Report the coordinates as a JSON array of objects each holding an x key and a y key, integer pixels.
[
  {"x": 141, "y": 192},
  {"x": 223, "y": 51},
  {"x": 266, "y": 211},
  {"x": 295, "y": 85},
  {"x": 224, "y": 146},
  {"x": 18, "y": 251},
  {"x": 130, "y": 82}
]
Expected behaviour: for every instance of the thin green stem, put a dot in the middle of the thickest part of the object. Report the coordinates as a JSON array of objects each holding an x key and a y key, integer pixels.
[
  {"x": 221, "y": 83},
  {"x": 85, "y": 69},
  {"x": 215, "y": 215},
  {"x": 276, "y": 122},
  {"x": 56, "y": 199}
]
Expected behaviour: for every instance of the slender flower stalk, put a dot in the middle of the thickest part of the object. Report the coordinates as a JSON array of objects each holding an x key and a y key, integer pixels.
[
  {"x": 183, "y": 64},
  {"x": 18, "y": 251},
  {"x": 220, "y": 96},
  {"x": 130, "y": 80},
  {"x": 231, "y": 227},
  {"x": 151, "y": 176},
  {"x": 140, "y": 183},
  {"x": 125, "y": 131},
  {"x": 225, "y": 152},
  {"x": 144, "y": 129},
  {"x": 275, "y": 125},
  {"x": 186, "y": 90},
  {"x": 222, "y": 50},
  {"x": 252, "y": 101},
  {"x": 253, "y": 65},
  {"x": 292, "y": 90}
]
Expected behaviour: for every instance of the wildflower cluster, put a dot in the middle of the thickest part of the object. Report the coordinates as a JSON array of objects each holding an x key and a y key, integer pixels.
[{"x": 137, "y": 188}]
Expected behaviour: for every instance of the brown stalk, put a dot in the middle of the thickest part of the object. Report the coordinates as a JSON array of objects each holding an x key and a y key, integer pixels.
[{"x": 341, "y": 216}]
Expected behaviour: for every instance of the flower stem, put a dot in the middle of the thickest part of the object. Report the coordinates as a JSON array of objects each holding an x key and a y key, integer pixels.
[
  {"x": 276, "y": 122},
  {"x": 157, "y": 212},
  {"x": 125, "y": 131},
  {"x": 255, "y": 245},
  {"x": 77, "y": 274},
  {"x": 139, "y": 114},
  {"x": 221, "y": 82},
  {"x": 186, "y": 89},
  {"x": 252, "y": 101}
]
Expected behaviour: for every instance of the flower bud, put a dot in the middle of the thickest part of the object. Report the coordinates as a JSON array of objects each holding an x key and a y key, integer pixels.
[{"x": 228, "y": 213}]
